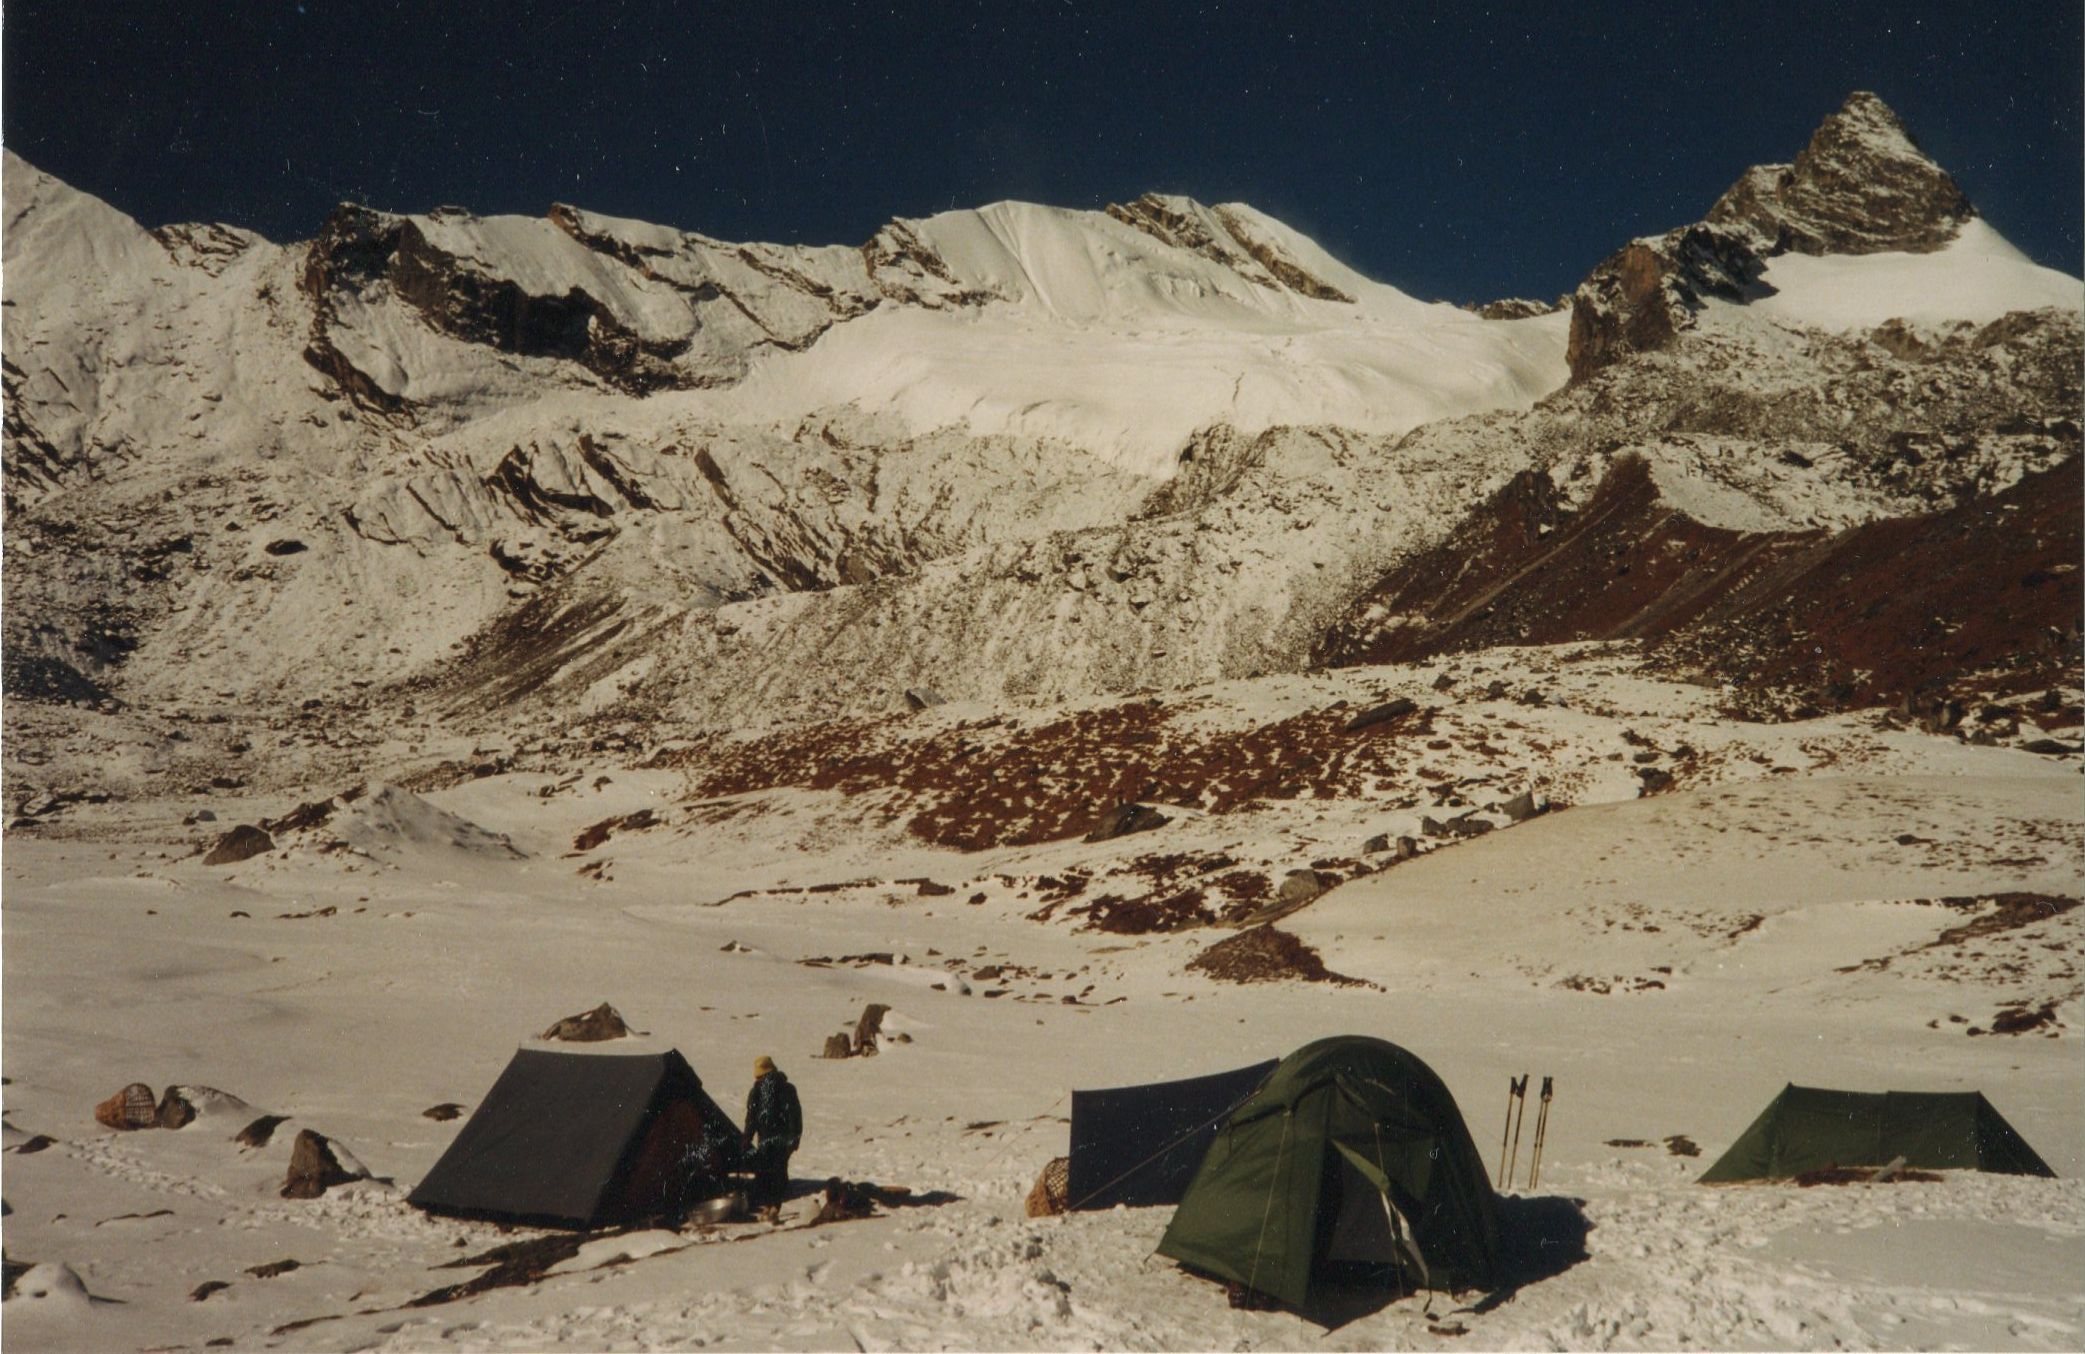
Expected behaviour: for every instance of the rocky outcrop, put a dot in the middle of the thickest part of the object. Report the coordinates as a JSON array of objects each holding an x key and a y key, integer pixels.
[
  {"x": 1861, "y": 186},
  {"x": 360, "y": 249},
  {"x": 1227, "y": 237},
  {"x": 1644, "y": 295},
  {"x": 1517, "y": 308},
  {"x": 243, "y": 842},
  {"x": 1266, "y": 954}
]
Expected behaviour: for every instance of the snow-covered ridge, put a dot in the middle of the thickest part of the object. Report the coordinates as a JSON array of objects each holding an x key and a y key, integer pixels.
[
  {"x": 1121, "y": 332},
  {"x": 1016, "y": 452}
]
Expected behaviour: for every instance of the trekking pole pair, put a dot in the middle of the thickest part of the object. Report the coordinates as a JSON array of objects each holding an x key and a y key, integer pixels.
[{"x": 1516, "y": 1115}]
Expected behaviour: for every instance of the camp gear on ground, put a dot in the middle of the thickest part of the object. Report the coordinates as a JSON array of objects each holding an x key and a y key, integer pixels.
[
  {"x": 1050, "y": 1195},
  {"x": 585, "y": 1139},
  {"x": 1806, "y": 1129},
  {"x": 1350, "y": 1167},
  {"x": 1141, "y": 1145}
]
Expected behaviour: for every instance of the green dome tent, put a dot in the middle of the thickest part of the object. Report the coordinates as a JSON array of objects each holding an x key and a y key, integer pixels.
[
  {"x": 1350, "y": 1167},
  {"x": 1806, "y": 1128}
]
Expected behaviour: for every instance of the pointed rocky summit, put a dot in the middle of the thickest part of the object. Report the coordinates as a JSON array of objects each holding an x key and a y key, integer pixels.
[{"x": 1860, "y": 187}]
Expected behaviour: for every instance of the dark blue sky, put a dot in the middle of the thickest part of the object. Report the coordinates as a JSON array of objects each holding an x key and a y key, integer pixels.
[{"x": 1457, "y": 150}]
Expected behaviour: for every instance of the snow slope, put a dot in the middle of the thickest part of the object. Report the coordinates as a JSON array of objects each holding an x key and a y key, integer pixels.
[{"x": 1977, "y": 277}]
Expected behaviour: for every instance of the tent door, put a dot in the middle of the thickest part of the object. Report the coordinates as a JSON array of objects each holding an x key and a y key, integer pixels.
[{"x": 1370, "y": 1241}]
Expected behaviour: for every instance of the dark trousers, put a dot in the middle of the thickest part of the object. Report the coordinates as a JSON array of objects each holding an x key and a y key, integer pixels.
[{"x": 771, "y": 1171}]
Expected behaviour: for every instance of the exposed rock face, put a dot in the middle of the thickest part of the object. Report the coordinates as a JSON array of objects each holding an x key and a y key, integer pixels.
[
  {"x": 1517, "y": 308},
  {"x": 868, "y": 1031},
  {"x": 1642, "y": 297},
  {"x": 1387, "y": 712},
  {"x": 1860, "y": 187},
  {"x": 181, "y": 1106},
  {"x": 1227, "y": 236},
  {"x": 361, "y": 249},
  {"x": 1299, "y": 887},
  {"x": 1852, "y": 614}
]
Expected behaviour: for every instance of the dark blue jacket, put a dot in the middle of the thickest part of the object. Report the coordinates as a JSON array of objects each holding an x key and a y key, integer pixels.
[{"x": 773, "y": 1113}]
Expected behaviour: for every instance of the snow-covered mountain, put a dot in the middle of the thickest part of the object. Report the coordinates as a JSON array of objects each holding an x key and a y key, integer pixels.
[
  {"x": 599, "y": 468},
  {"x": 1109, "y": 646}
]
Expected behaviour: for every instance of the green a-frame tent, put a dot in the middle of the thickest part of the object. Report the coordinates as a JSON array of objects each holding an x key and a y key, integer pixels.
[{"x": 1807, "y": 1128}]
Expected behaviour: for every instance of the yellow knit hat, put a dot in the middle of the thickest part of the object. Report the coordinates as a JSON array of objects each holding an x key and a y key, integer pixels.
[{"x": 763, "y": 1065}]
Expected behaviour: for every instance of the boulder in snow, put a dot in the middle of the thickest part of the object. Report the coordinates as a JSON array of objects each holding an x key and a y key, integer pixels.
[
  {"x": 1382, "y": 714},
  {"x": 869, "y": 1028},
  {"x": 183, "y": 1105},
  {"x": 1525, "y": 805},
  {"x": 243, "y": 842},
  {"x": 1299, "y": 887},
  {"x": 1124, "y": 819},
  {"x": 317, "y": 1164},
  {"x": 590, "y": 1027}
]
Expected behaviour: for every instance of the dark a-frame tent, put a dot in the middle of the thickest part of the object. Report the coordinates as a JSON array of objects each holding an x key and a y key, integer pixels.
[
  {"x": 585, "y": 1140},
  {"x": 1808, "y": 1128},
  {"x": 1141, "y": 1145}
]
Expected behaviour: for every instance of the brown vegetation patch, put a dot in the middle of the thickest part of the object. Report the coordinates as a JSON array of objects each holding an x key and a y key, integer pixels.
[
  {"x": 2020, "y": 1017},
  {"x": 2009, "y": 911},
  {"x": 1267, "y": 954},
  {"x": 990, "y": 783},
  {"x": 1141, "y": 916}
]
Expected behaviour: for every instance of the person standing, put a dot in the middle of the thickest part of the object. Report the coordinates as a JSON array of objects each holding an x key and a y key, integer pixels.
[{"x": 774, "y": 1127}]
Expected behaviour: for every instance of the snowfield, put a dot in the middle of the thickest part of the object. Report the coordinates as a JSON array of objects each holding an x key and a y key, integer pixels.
[{"x": 1671, "y": 961}]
